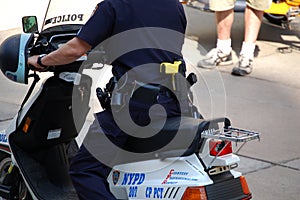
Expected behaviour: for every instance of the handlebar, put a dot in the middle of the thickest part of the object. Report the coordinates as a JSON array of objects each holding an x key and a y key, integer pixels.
[{"x": 47, "y": 44}]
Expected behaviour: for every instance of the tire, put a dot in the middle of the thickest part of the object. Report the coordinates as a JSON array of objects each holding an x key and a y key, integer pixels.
[
  {"x": 22, "y": 191},
  {"x": 4, "y": 165},
  {"x": 275, "y": 19}
]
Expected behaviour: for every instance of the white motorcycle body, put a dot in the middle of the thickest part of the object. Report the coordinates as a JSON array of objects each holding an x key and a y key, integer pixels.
[
  {"x": 130, "y": 181},
  {"x": 34, "y": 157},
  {"x": 170, "y": 178}
]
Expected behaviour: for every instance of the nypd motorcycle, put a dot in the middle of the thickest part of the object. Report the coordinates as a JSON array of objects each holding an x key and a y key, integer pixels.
[{"x": 37, "y": 146}]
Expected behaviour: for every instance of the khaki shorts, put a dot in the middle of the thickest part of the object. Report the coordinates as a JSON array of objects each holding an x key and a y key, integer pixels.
[{"x": 221, "y": 5}]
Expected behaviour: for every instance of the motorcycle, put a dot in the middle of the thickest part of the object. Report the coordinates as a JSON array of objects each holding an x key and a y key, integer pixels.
[
  {"x": 283, "y": 13},
  {"x": 36, "y": 148}
]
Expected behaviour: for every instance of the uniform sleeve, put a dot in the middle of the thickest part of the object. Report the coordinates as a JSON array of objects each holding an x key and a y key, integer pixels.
[
  {"x": 100, "y": 25},
  {"x": 182, "y": 16}
]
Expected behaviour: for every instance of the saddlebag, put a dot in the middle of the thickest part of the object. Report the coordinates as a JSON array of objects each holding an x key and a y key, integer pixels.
[{"x": 56, "y": 116}]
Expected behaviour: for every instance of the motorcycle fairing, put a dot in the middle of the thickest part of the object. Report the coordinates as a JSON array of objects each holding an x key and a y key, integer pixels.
[
  {"x": 139, "y": 181},
  {"x": 293, "y": 2},
  {"x": 278, "y": 8},
  {"x": 145, "y": 180},
  {"x": 68, "y": 12}
]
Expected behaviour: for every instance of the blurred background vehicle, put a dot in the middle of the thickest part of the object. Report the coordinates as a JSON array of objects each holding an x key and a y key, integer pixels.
[{"x": 284, "y": 13}]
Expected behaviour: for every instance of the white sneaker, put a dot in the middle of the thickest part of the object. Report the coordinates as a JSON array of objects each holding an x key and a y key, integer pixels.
[
  {"x": 244, "y": 66},
  {"x": 215, "y": 57}
]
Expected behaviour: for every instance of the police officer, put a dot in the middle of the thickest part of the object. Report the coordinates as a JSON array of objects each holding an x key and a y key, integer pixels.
[{"x": 113, "y": 17}]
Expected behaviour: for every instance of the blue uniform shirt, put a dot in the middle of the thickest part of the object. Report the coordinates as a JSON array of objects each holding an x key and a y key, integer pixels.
[{"x": 164, "y": 44}]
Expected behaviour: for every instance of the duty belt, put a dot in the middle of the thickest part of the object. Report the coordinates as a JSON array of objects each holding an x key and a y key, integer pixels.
[{"x": 148, "y": 93}]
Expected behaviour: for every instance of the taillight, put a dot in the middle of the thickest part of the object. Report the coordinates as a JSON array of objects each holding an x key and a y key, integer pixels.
[
  {"x": 220, "y": 147},
  {"x": 194, "y": 193}
]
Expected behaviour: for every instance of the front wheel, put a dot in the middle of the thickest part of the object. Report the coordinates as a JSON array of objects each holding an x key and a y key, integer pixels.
[
  {"x": 275, "y": 19},
  {"x": 13, "y": 179},
  {"x": 4, "y": 165}
]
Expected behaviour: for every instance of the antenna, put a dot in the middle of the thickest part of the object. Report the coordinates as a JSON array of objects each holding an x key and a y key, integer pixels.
[{"x": 45, "y": 15}]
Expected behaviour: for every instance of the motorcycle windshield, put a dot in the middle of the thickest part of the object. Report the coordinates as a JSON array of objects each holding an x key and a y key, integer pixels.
[{"x": 68, "y": 12}]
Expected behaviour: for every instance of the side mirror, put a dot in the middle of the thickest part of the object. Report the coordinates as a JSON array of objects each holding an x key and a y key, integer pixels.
[{"x": 30, "y": 24}]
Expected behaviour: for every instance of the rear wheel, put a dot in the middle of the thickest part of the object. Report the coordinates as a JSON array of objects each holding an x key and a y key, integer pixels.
[{"x": 275, "y": 19}]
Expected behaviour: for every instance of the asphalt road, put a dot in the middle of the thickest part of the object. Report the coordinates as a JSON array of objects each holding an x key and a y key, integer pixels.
[{"x": 267, "y": 101}]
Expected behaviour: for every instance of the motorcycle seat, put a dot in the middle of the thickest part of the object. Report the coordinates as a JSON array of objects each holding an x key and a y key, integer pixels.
[{"x": 180, "y": 136}]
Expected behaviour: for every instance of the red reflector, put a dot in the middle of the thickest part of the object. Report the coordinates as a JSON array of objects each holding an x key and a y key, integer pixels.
[{"x": 219, "y": 147}]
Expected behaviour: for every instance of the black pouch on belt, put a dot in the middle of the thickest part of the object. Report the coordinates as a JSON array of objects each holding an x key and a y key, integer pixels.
[{"x": 145, "y": 93}]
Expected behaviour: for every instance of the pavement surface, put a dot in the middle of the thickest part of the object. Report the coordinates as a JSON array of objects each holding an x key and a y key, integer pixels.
[{"x": 267, "y": 100}]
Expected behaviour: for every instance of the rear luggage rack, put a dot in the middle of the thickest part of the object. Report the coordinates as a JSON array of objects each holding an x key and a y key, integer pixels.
[{"x": 231, "y": 134}]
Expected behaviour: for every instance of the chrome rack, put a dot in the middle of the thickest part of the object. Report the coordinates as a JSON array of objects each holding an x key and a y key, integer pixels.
[{"x": 231, "y": 134}]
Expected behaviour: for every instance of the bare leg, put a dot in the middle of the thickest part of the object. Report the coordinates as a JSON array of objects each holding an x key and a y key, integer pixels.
[
  {"x": 224, "y": 23},
  {"x": 253, "y": 20},
  {"x": 221, "y": 55}
]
